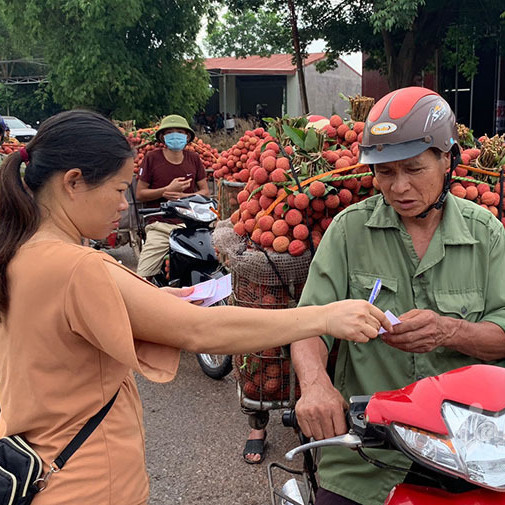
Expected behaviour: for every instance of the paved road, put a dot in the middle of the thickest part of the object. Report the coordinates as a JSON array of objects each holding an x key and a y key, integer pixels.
[{"x": 195, "y": 433}]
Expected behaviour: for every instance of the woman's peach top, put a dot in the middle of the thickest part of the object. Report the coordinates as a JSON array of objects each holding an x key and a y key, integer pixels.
[{"x": 66, "y": 346}]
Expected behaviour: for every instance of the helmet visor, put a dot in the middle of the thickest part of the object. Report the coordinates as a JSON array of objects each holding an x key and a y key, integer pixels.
[{"x": 385, "y": 153}]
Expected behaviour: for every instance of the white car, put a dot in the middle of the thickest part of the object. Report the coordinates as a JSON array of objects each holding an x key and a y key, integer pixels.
[{"x": 21, "y": 131}]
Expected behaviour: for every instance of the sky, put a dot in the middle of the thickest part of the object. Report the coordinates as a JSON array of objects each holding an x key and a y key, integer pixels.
[{"x": 353, "y": 59}]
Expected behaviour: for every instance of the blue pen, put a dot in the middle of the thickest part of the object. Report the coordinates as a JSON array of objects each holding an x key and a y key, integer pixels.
[{"x": 375, "y": 291}]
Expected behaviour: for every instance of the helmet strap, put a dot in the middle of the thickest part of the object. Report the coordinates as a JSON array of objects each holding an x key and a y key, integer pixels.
[{"x": 447, "y": 184}]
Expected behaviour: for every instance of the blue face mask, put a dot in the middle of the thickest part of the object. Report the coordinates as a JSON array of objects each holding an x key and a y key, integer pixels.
[{"x": 176, "y": 141}]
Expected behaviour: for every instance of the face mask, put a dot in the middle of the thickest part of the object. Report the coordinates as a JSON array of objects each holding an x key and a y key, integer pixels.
[{"x": 176, "y": 141}]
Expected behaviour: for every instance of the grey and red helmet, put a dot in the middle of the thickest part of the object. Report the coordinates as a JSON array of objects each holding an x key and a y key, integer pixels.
[{"x": 405, "y": 123}]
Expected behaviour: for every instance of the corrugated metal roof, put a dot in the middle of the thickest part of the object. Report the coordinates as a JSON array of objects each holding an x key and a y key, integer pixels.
[{"x": 277, "y": 64}]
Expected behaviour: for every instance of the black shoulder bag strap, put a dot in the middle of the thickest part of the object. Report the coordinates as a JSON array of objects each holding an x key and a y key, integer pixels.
[
  {"x": 83, "y": 434},
  {"x": 90, "y": 426}
]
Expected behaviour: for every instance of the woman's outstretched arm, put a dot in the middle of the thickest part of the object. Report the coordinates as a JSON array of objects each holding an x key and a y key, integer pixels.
[{"x": 157, "y": 316}]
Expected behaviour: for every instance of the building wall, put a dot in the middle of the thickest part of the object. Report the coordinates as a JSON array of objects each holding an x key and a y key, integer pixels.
[
  {"x": 323, "y": 89},
  {"x": 375, "y": 85},
  {"x": 293, "y": 103},
  {"x": 230, "y": 103}
]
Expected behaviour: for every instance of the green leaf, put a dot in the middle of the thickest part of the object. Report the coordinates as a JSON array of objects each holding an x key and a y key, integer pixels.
[
  {"x": 257, "y": 190},
  {"x": 311, "y": 140},
  {"x": 300, "y": 122},
  {"x": 272, "y": 131},
  {"x": 244, "y": 362},
  {"x": 295, "y": 135},
  {"x": 304, "y": 169},
  {"x": 363, "y": 191}
]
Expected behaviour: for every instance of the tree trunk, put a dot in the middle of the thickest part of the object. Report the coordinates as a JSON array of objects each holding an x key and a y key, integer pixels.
[
  {"x": 406, "y": 58},
  {"x": 400, "y": 65},
  {"x": 298, "y": 57}
]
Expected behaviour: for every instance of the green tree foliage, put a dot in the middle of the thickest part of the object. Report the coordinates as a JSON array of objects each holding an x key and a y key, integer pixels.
[
  {"x": 129, "y": 59},
  {"x": 6, "y": 97},
  {"x": 241, "y": 34},
  {"x": 32, "y": 103},
  {"x": 400, "y": 37},
  {"x": 29, "y": 102}
]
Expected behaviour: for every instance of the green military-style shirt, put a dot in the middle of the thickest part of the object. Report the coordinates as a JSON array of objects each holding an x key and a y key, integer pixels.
[{"x": 462, "y": 275}]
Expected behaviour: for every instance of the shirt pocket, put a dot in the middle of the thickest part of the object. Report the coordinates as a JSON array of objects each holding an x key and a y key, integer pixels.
[
  {"x": 463, "y": 305},
  {"x": 362, "y": 283}
]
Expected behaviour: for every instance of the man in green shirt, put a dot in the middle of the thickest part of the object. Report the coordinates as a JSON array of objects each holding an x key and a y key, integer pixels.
[{"x": 441, "y": 263}]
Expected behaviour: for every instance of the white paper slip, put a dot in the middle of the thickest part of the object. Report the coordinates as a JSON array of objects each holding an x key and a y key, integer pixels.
[
  {"x": 211, "y": 291},
  {"x": 223, "y": 290},
  {"x": 392, "y": 318},
  {"x": 202, "y": 291}
]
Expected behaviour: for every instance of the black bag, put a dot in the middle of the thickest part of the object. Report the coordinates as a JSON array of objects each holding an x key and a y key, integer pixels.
[
  {"x": 18, "y": 476},
  {"x": 21, "y": 467}
]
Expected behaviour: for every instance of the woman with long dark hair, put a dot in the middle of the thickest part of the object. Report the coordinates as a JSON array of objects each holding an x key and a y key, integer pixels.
[{"x": 74, "y": 323}]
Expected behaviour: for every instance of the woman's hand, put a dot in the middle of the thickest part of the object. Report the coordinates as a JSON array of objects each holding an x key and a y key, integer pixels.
[
  {"x": 355, "y": 320},
  {"x": 182, "y": 292}
]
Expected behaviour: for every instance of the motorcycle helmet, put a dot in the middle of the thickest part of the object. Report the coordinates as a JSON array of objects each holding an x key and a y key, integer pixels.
[
  {"x": 173, "y": 121},
  {"x": 404, "y": 124}
]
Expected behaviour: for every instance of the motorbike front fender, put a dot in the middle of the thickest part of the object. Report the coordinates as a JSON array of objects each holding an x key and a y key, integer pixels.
[{"x": 408, "y": 494}]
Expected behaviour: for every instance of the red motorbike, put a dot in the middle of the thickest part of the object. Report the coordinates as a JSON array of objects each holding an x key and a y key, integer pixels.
[{"x": 451, "y": 426}]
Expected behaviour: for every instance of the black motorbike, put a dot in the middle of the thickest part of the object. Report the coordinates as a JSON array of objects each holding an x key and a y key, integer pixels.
[{"x": 192, "y": 259}]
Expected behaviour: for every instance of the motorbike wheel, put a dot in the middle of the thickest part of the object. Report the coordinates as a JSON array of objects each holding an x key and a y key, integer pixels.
[{"x": 216, "y": 366}]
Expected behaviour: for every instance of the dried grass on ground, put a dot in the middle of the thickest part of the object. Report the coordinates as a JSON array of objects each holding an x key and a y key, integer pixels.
[{"x": 221, "y": 140}]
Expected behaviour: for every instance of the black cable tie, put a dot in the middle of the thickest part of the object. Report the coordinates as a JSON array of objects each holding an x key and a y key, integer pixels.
[{"x": 276, "y": 270}]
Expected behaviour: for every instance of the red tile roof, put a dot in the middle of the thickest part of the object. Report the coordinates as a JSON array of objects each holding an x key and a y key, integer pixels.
[{"x": 277, "y": 64}]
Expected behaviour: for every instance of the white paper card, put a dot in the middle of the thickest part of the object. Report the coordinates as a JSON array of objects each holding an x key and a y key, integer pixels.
[
  {"x": 202, "y": 291},
  {"x": 392, "y": 318},
  {"x": 211, "y": 291},
  {"x": 223, "y": 290}
]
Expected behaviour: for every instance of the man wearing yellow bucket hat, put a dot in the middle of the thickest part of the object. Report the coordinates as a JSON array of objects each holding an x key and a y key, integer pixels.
[{"x": 167, "y": 174}]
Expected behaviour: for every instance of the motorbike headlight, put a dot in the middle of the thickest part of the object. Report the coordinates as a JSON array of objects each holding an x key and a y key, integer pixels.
[
  {"x": 198, "y": 212},
  {"x": 183, "y": 211},
  {"x": 474, "y": 449}
]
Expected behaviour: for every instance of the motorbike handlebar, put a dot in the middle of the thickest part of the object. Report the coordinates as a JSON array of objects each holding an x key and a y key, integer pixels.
[
  {"x": 152, "y": 210},
  {"x": 289, "y": 419}
]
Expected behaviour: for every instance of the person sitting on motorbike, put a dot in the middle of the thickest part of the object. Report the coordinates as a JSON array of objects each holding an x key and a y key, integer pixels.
[
  {"x": 440, "y": 259},
  {"x": 167, "y": 174}
]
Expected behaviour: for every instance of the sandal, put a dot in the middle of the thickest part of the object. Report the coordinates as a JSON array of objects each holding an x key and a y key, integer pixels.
[{"x": 255, "y": 446}]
